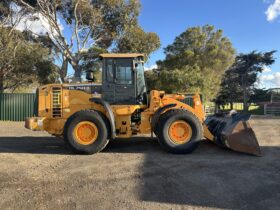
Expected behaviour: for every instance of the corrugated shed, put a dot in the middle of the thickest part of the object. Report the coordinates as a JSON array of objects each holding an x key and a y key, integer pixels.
[{"x": 17, "y": 106}]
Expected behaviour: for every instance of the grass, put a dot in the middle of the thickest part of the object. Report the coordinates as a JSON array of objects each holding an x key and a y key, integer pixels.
[{"x": 259, "y": 110}]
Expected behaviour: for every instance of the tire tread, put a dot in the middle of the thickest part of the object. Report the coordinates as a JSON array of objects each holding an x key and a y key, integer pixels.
[
  {"x": 87, "y": 149},
  {"x": 160, "y": 133}
]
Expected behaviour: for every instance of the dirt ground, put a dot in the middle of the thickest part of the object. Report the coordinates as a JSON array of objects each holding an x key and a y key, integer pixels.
[{"x": 38, "y": 172}]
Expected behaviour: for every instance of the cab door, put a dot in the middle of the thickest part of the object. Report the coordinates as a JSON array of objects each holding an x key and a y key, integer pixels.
[{"x": 119, "y": 84}]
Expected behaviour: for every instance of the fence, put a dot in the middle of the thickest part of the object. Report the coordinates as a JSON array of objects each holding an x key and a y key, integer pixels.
[
  {"x": 209, "y": 110},
  {"x": 17, "y": 106},
  {"x": 272, "y": 109}
]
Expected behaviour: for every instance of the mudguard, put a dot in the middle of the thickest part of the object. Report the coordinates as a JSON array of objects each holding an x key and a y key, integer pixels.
[
  {"x": 108, "y": 109},
  {"x": 157, "y": 114}
]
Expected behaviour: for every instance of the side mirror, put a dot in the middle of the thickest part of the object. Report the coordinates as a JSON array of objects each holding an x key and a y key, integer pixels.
[
  {"x": 135, "y": 65},
  {"x": 90, "y": 76}
]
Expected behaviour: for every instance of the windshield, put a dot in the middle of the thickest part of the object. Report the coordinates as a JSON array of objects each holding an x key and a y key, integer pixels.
[{"x": 95, "y": 66}]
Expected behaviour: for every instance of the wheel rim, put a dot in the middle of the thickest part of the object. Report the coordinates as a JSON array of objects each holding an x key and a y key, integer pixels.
[
  {"x": 85, "y": 133},
  {"x": 180, "y": 132}
]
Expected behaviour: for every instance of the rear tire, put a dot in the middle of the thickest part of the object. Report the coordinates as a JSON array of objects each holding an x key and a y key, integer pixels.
[
  {"x": 179, "y": 131},
  {"x": 85, "y": 132}
]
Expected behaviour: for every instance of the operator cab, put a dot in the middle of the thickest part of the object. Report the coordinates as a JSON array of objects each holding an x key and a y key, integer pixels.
[{"x": 123, "y": 79}]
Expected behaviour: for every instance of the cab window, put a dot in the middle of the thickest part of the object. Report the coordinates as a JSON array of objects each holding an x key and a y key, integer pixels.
[{"x": 124, "y": 72}]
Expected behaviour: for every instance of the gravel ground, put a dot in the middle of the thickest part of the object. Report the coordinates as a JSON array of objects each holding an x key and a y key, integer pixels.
[{"x": 38, "y": 172}]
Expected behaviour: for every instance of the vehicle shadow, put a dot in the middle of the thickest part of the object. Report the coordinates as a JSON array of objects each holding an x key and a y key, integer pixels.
[
  {"x": 53, "y": 145},
  {"x": 34, "y": 145},
  {"x": 134, "y": 145}
]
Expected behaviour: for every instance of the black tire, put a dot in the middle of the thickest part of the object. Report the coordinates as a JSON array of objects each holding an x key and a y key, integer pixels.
[
  {"x": 107, "y": 123},
  {"x": 86, "y": 115},
  {"x": 167, "y": 119}
]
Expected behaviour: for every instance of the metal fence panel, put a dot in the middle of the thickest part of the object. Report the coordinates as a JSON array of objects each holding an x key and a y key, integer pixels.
[
  {"x": 17, "y": 106},
  {"x": 272, "y": 109}
]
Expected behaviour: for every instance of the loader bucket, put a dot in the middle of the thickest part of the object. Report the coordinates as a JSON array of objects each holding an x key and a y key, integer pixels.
[{"x": 234, "y": 132}]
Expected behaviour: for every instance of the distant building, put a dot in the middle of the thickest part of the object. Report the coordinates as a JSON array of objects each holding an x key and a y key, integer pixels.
[
  {"x": 275, "y": 95},
  {"x": 273, "y": 108}
]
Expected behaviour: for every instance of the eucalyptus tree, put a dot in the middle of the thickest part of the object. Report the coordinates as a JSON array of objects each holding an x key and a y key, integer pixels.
[
  {"x": 196, "y": 61},
  {"x": 79, "y": 27}
]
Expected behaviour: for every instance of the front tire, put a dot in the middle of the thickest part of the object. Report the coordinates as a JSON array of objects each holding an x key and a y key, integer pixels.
[
  {"x": 85, "y": 132},
  {"x": 179, "y": 131}
]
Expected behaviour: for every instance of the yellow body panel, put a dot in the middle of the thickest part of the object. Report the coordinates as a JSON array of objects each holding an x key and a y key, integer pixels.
[
  {"x": 122, "y": 115},
  {"x": 197, "y": 110},
  {"x": 121, "y": 110},
  {"x": 68, "y": 102}
]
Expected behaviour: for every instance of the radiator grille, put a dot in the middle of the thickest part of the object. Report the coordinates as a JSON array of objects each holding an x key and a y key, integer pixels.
[
  {"x": 56, "y": 102},
  {"x": 188, "y": 100}
]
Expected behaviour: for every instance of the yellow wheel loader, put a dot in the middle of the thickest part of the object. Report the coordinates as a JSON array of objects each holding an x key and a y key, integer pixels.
[{"x": 89, "y": 115}]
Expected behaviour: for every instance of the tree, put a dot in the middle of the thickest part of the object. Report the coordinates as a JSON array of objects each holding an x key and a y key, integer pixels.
[
  {"x": 260, "y": 95},
  {"x": 10, "y": 16},
  {"x": 136, "y": 40},
  {"x": 93, "y": 24},
  {"x": 196, "y": 61},
  {"x": 230, "y": 92},
  {"x": 245, "y": 71},
  {"x": 185, "y": 79},
  {"x": 61, "y": 60},
  {"x": 152, "y": 81},
  {"x": 46, "y": 71},
  {"x": 249, "y": 65},
  {"x": 22, "y": 62}
]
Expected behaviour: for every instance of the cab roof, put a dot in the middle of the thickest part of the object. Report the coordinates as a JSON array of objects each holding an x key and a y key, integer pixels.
[{"x": 121, "y": 55}]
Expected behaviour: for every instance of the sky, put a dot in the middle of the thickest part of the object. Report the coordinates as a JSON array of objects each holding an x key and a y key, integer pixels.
[{"x": 249, "y": 24}]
